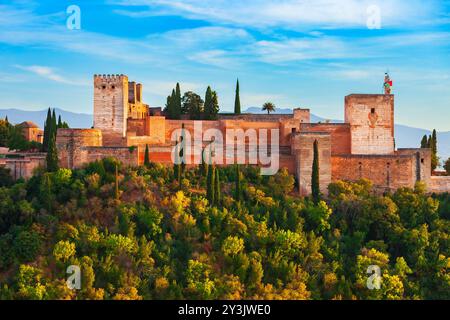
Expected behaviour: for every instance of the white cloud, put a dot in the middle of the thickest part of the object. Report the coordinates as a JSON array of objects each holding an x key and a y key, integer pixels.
[
  {"x": 294, "y": 14},
  {"x": 50, "y": 74}
]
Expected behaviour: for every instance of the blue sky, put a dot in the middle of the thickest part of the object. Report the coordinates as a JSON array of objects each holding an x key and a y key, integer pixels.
[{"x": 295, "y": 53}]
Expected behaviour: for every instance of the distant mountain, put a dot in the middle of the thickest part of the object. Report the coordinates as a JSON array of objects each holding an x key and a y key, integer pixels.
[
  {"x": 405, "y": 136},
  {"x": 75, "y": 120}
]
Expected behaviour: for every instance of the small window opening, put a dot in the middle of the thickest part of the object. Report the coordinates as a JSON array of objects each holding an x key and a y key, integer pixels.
[
  {"x": 372, "y": 110},
  {"x": 422, "y": 161}
]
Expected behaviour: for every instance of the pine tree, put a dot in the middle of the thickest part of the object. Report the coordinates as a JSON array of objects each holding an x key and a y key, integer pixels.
[
  {"x": 210, "y": 193},
  {"x": 237, "y": 101},
  {"x": 315, "y": 184},
  {"x": 217, "y": 193},
  {"x": 238, "y": 188},
  {"x": 424, "y": 142},
  {"x": 146, "y": 157},
  {"x": 47, "y": 130},
  {"x": 52, "y": 155},
  {"x": 177, "y": 100},
  {"x": 208, "y": 104}
]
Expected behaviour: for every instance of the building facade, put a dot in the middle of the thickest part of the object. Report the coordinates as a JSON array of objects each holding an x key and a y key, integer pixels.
[{"x": 361, "y": 147}]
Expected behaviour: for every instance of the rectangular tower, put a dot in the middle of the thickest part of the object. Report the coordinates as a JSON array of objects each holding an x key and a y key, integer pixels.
[
  {"x": 111, "y": 104},
  {"x": 371, "y": 119}
]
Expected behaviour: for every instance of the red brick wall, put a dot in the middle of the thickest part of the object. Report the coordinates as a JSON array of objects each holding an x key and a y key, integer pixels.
[
  {"x": 386, "y": 172},
  {"x": 340, "y": 135}
]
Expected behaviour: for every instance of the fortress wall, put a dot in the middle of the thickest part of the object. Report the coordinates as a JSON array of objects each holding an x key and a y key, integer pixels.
[
  {"x": 25, "y": 167},
  {"x": 70, "y": 141},
  {"x": 339, "y": 132},
  {"x": 303, "y": 149},
  {"x": 439, "y": 184},
  {"x": 371, "y": 117},
  {"x": 124, "y": 154},
  {"x": 136, "y": 126},
  {"x": 388, "y": 172}
]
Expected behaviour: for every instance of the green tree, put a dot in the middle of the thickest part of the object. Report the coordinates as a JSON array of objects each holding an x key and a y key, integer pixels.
[
  {"x": 192, "y": 105},
  {"x": 210, "y": 185},
  {"x": 424, "y": 142},
  {"x": 269, "y": 107},
  {"x": 315, "y": 183},
  {"x": 146, "y": 157},
  {"x": 47, "y": 130},
  {"x": 211, "y": 105},
  {"x": 60, "y": 124},
  {"x": 238, "y": 186},
  {"x": 4, "y": 132},
  {"x": 434, "y": 152},
  {"x": 217, "y": 188},
  {"x": 237, "y": 100},
  {"x": 177, "y": 102},
  {"x": 447, "y": 166},
  {"x": 64, "y": 250},
  {"x": 52, "y": 155}
]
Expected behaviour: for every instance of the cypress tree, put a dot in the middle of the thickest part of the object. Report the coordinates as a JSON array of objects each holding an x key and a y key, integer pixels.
[
  {"x": 217, "y": 193},
  {"x": 47, "y": 129},
  {"x": 177, "y": 99},
  {"x": 210, "y": 193},
  {"x": 208, "y": 104},
  {"x": 183, "y": 148},
  {"x": 424, "y": 142},
  {"x": 433, "y": 146},
  {"x": 315, "y": 184},
  {"x": 146, "y": 156},
  {"x": 117, "y": 183},
  {"x": 204, "y": 165},
  {"x": 238, "y": 188},
  {"x": 237, "y": 100},
  {"x": 60, "y": 124},
  {"x": 52, "y": 155},
  {"x": 54, "y": 123},
  {"x": 176, "y": 165}
]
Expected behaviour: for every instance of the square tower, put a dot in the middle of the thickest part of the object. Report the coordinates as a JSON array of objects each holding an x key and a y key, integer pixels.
[
  {"x": 371, "y": 119},
  {"x": 111, "y": 104}
]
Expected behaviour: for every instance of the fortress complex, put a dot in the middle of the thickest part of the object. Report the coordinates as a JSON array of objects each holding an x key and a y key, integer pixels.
[{"x": 361, "y": 147}]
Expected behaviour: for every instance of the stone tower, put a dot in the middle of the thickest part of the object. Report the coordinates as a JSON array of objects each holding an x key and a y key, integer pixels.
[
  {"x": 371, "y": 119},
  {"x": 111, "y": 107}
]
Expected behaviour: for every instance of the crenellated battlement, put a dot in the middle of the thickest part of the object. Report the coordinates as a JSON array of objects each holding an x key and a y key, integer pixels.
[{"x": 118, "y": 79}]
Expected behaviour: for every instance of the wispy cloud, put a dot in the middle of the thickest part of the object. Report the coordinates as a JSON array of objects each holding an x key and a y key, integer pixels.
[
  {"x": 294, "y": 14},
  {"x": 50, "y": 74}
]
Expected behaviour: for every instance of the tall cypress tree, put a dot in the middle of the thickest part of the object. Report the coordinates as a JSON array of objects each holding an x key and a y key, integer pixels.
[
  {"x": 237, "y": 100},
  {"x": 217, "y": 193},
  {"x": 47, "y": 130},
  {"x": 146, "y": 156},
  {"x": 60, "y": 124},
  {"x": 54, "y": 124},
  {"x": 238, "y": 188},
  {"x": 177, "y": 165},
  {"x": 208, "y": 104},
  {"x": 177, "y": 99},
  {"x": 52, "y": 155},
  {"x": 315, "y": 184},
  {"x": 433, "y": 146},
  {"x": 116, "y": 176},
  {"x": 210, "y": 193},
  {"x": 424, "y": 142}
]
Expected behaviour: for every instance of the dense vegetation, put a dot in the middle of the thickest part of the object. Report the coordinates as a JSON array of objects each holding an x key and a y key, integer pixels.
[{"x": 139, "y": 233}]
